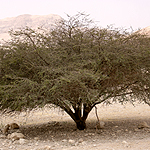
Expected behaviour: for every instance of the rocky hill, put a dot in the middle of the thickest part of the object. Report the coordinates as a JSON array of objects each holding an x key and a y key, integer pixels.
[
  {"x": 145, "y": 31},
  {"x": 33, "y": 21}
]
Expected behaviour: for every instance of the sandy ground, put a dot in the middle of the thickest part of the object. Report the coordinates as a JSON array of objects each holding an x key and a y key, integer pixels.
[{"x": 51, "y": 129}]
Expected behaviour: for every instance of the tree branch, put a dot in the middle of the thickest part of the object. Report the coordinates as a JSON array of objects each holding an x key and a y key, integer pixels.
[
  {"x": 35, "y": 48},
  {"x": 110, "y": 96},
  {"x": 65, "y": 107}
]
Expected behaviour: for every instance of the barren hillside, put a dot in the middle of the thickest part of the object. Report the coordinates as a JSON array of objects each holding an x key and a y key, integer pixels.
[
  {"x": 33, "y": 21},
  {"x": 145, "y": 31}
]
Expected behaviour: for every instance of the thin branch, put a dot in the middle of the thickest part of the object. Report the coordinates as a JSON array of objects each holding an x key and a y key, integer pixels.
[
  {"x": 65, "y": 107},
  {"x": 98, "y": 102},
  {"x": 36, "y": 49},
  {"x": 96, "y": 114},
  {"x": 110, "y": 96}
]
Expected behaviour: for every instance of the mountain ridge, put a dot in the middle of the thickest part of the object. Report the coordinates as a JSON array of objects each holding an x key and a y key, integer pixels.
[
  {"x": 145, "y": 31},
  {"x": 35, "y": 21},
  {"x": 24, "y": 20}
]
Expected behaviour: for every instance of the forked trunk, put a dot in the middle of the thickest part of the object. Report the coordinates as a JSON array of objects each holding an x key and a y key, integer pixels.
[{"x": 79, "y": 115}]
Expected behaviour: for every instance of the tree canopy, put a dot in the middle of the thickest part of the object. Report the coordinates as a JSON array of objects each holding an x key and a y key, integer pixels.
[{"x": 75, "y": 66}]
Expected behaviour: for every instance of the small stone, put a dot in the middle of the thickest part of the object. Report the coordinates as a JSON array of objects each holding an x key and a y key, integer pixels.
[
  {"x": 113, "y": 134},
  {"x": 64, "y": 140},
  {"x": 71, "y": 141},
  {"x": 14, "y": 126},
  {"x": 126, "y": 130},
  {"x": 147, "y": 130},
  {"x": 29, "y": 144},
  {"x": 22, "y": 141},
  {"x": 143, "y": 125},
  {"x": 118, "y": 131},
  {"x": 16, "y": 142},
  {"x": 76, "y": 144},
  {"x": 137, "y": 130},
  {"x": 36, "y": 138},
  {"x": 91, "y": 134},
  {"x": 124, "y": 142},
  {"x": 83, "y": 143},
  {"x": 57, "y": 144},
  {"x": 47, "y": 147},
  {"x": 80, "y": 140},
  {"x": 15, "y": 136},
  {"x": 14, "y": 130},
  {"x": 2, "y": 136},
  {"x": 10, "y": 147},
  {"x": 100, "y": 125},
  {"x": 3, "y": 144}
]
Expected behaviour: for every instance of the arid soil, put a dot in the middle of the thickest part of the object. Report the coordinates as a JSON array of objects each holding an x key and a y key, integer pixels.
[{"x": 52, "y": 129}]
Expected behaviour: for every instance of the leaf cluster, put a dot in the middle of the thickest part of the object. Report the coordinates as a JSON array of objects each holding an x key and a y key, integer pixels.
[{"x": 75, "y": 62}]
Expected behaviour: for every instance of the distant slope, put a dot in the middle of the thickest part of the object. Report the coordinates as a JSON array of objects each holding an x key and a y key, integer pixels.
[
  {"x": 33, "y": 21},
  {"x": 145, "y": 31}
]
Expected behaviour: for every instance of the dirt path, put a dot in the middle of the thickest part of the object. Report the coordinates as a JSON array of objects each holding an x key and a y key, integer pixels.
[{"x": 51, "y": 129}]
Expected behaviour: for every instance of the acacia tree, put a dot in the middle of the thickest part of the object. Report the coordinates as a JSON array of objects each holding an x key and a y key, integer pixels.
[{"x": 75, "y": 66}]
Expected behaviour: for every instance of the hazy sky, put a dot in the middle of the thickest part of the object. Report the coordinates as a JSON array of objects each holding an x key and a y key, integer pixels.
[{"x": 121, "y": 13}]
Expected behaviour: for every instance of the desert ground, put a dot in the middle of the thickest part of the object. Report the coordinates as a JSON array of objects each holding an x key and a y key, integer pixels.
[{"x": 52, "y": 129}]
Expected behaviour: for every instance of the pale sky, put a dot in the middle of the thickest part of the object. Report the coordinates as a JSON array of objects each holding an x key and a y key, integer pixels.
[{"x": 120, "y": 13}]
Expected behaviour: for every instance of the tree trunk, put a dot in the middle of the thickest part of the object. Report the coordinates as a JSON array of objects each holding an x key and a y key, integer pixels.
[
  {"x": 79, "y": 115},
  {"x": 81, "y": 125}
]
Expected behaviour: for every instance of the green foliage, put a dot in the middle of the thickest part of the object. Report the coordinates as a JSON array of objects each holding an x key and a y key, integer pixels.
[{"x": 75, "y": 66}]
